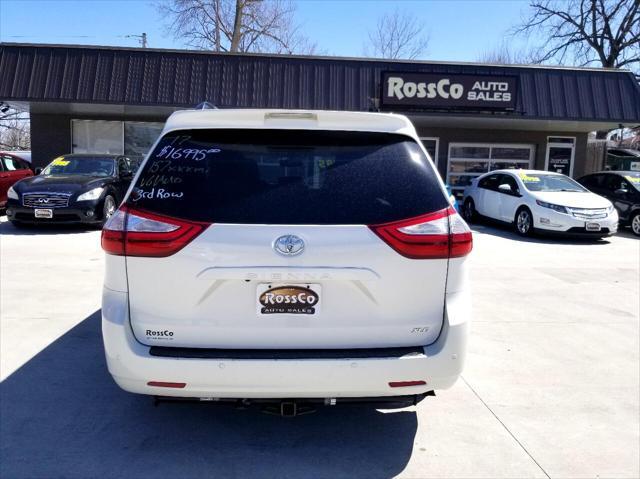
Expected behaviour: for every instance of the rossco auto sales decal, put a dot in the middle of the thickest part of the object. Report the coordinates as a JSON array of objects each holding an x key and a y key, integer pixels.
[
  {"x": 288, "y": 299},
  {"x": 415, "y": 90}
]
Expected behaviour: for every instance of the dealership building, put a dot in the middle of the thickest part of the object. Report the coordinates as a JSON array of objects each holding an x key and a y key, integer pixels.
[{"x": 472, "y": 118}]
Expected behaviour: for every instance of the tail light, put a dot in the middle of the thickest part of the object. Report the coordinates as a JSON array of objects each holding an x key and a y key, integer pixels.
[
  {"x": 442, "y": 234},
  {"x": 133, "y": 232}
]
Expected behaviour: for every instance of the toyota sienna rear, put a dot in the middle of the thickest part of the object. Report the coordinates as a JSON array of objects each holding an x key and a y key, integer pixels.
[{"x": 273, "y": 255}]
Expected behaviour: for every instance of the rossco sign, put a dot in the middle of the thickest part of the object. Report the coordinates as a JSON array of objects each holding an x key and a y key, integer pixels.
[{"x": 428, "y": 90}]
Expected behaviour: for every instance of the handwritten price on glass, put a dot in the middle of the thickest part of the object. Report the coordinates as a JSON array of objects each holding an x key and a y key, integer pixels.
[{"x": 197, "y": 154}]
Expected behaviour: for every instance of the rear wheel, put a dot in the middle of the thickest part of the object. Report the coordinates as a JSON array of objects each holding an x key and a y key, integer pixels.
[
  {"x": 524, "y": 222},
  {"x": 469, "y": 211},
  {"x": 635, "y": 224}
]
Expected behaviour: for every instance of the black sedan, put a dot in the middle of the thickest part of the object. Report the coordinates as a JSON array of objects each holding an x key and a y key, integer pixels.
[
  {"x": 622, "y": 188},
  {"x": 76, "y": 188}
]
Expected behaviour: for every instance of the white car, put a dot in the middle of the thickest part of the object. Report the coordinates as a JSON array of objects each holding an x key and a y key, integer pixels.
[
  {"x": 305, "y": 256},
  {"x": 539, "y": 201}
]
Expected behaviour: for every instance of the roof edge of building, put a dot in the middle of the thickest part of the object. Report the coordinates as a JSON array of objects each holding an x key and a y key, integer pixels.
[{"x": 312, "y": 57}]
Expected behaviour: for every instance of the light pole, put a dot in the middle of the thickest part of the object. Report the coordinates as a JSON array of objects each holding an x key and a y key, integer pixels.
[{"x": 141, "y": 38}]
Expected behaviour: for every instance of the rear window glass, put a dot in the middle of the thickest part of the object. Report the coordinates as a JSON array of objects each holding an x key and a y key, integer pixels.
[{"x": 287, "y": 177}]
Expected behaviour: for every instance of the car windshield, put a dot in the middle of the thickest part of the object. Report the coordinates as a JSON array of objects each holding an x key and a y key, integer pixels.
[
  {"x": 546, "y": 182},
  {"x": 86, "y": 166},
  {"x": 633, "y": 179}
]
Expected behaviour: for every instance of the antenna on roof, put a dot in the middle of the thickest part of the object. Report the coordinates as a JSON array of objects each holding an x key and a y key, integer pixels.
[
  {"x": 205, "y": 105},
  {"x": 141, "y": 38}
]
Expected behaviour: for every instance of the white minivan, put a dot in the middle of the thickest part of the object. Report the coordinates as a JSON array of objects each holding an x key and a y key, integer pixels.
[{"x": 289, "y": 256}]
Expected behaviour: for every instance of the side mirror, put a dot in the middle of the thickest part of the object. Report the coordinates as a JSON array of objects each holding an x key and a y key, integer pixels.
[
  {"x": 621, "y": 192},
  {"x": 505, "y": 188},
  {"x": 38, "y": 170}
]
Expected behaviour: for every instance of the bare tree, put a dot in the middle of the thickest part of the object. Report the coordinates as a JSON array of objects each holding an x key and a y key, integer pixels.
[
  {"x": 236, "y": 25},
  {"x": 505, "y": 54},
  {"x": 15, "y": 133},
  {"x": 586, "y": 32},
  {"x": 397, "y": 35}
]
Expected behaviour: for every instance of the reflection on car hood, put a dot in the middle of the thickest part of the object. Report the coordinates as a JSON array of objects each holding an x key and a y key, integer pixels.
[
  {"x": 572, "y": 199},
  {"x": 59, "y": 183}
]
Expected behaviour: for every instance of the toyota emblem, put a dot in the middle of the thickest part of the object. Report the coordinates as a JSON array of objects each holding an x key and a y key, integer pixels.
[{"x": 289, "y": 245}]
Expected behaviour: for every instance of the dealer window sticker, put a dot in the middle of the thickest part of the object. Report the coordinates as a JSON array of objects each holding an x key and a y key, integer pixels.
[
  {"x": 633, "y": 179},
  {"x": 60, "y": 161},
  {"x": 529, "y": 179}
]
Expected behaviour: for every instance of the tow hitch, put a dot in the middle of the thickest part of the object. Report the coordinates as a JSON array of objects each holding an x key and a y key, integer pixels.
[{"x": 289, "y": 409}]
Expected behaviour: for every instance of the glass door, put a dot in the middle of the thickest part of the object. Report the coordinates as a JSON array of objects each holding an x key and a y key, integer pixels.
[{"x": 560, "y": 154}]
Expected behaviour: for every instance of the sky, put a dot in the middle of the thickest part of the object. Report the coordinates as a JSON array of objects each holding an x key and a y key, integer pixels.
[{"x": 458, "y": 30}]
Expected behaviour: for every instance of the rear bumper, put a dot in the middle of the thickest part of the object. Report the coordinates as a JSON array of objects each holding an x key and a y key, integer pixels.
[{"x": 132, "y": 366}]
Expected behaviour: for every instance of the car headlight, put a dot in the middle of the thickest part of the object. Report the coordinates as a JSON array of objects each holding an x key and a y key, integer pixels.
[
  {"x": 551, "y": 206},
  {"x": 93, "y": 194},
  {"x": 11, "y": 193}
]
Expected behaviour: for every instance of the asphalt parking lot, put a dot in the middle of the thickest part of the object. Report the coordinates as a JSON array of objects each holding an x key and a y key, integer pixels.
[{"x": 551, "y": 387}]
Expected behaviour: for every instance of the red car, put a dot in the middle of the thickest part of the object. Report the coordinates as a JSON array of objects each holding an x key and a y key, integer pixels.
[{"x": 12, "y": 169}]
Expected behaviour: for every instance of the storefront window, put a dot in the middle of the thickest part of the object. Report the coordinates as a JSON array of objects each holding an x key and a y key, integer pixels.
[
  {"x": 139, "y": 137},
  {"x": 506, "y": 165},
  {"x": 469, "y": 152},
  {"x": 431, "y": 145},
  {"x": 560, "y": 153},
  {"x": 467, "y": 161},
  {"x": 501, "y": 153},
  {"x": 462, "y": 166},
  {"x": 456, "y": 181},
  {"x": 97, "y": 136},
  {"x": 131, "y": 138}
]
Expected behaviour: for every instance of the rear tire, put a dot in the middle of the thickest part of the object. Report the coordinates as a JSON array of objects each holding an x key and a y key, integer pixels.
[
  {"x": 635, "y": 223},
  {"x": 469, "y": 211},
  {"x": 524, "y": 222}
]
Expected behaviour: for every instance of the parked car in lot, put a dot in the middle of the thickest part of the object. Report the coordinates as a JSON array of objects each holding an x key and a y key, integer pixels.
[
  {"x": 75, "y": 188},
  {"x": 12, "y": 169},
  {"x": 306, "y": 256},
  {"x": 543, "y": 201},
  {"x": 24, "y": 155},
  {"x": 622, "y": 188}
]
